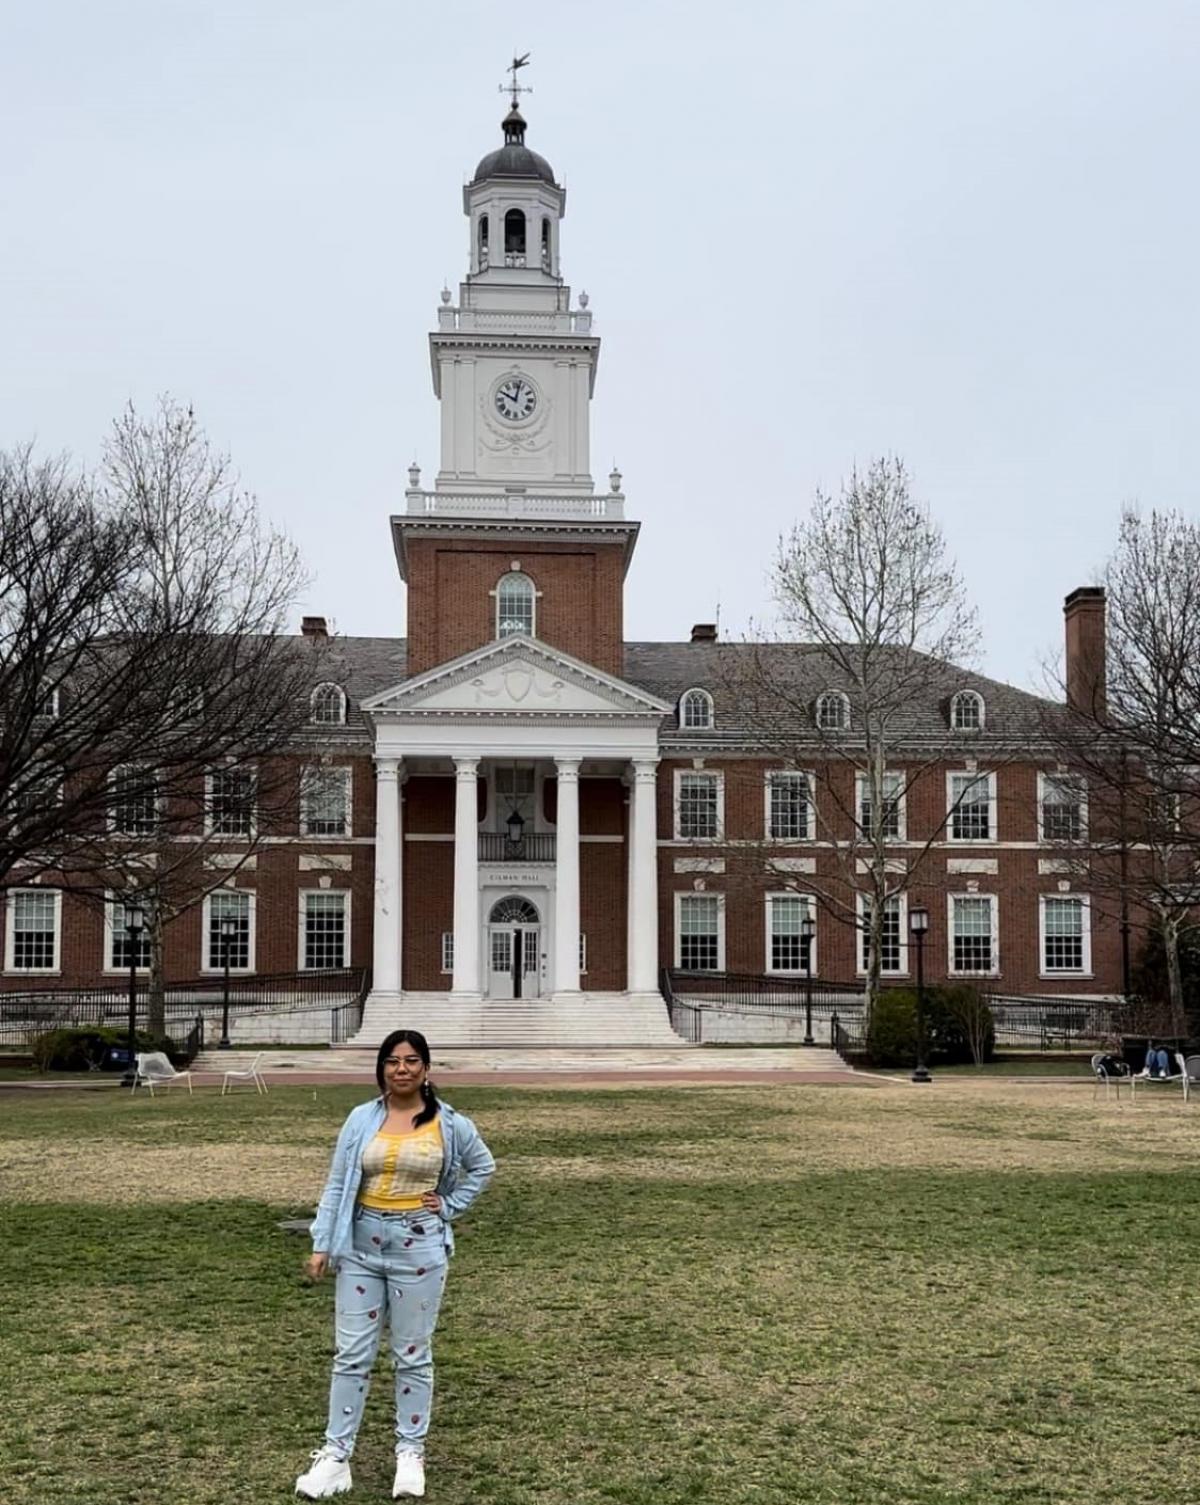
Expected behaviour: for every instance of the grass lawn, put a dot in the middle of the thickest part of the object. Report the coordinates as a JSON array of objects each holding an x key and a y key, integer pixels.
[{"x": 975, "y": 1292}]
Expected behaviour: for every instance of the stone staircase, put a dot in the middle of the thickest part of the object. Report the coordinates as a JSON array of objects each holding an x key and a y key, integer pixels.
[{"x": 591, "y": 1019}]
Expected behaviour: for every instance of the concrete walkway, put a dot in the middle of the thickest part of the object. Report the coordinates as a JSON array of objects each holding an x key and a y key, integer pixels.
[{"x": 550, "y": 1065}]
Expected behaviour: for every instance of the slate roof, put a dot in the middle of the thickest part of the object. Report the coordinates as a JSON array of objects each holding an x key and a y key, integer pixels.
[{"x": 368, "y": 666}]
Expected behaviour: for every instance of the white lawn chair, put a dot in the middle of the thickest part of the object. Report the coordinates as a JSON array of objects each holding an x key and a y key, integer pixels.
[
  {"x": 1103, "y": 1077},
  {"x": 153, "y": 1069},
  {"x": 1179, "y": 1076},
  {"x": 247, "y": 1074}
]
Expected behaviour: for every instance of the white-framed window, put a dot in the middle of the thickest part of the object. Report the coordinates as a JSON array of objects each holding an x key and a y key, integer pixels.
[
  {"x": 116, "y": 938},
  {"x": 891, "y": 818},
  {"x": 327, "y": 706},
  {"x": 230, "y": 802},
  {"x": 696, "y": 711},
  {"x": 47, "y": 705},
  {"x": 516, "y": 605},
  {"x": 133, "y": 808},
  {"x": 1066, "y": 935},
  {"x": 447, "y": 951},
  {"x": 34, "y": 930},
  {"x": 324, "y": 929},
  {"x": 833, "y": 712},
  {"x": 699, "y": 805},
  {"x": 325, "y": 801},
  {"x": 894, "y": 950},
  {"x": 974, "y": 935},
  {"x": 237, "y": 904},
  {"x": 789, "y": 805},
  {"x": 966, "y": 711},
  {"x": 785, "y": 943},
  {"x": 700, "y": 932},
  {"x": 1062, "y": 807},
  {"x": 29, "y": 804},
  {"x": 971, "y": 804}
]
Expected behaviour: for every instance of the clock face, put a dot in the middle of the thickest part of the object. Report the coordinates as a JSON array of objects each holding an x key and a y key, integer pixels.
[{"x": 516, "y": 399}]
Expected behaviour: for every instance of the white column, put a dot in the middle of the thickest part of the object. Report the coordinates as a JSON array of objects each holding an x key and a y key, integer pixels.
[
  {"x": 388, "y": 870},
  {"x": 643, "y": 878},
  {"x": 466, "y": 880},
  {"x": 566, "y": 879}
]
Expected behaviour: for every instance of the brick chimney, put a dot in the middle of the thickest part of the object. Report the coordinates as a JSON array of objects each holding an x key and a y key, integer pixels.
[
  {"x": 704, "y": 632},
  {"x": 313, "y": 627},
  {"x": 1084, "y": 614}
]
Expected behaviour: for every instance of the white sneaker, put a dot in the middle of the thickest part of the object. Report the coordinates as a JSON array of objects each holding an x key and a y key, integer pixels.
[
  {"x": 329, "y": 1475},
  {"x": 410, "y": 1474}
]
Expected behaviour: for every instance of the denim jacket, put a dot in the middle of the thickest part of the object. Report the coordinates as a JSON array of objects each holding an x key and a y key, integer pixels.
[{"x": 467, "y": 1167}]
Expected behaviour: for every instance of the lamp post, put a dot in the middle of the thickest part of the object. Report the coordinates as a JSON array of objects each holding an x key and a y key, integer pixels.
[
  {"x": 516, "y": 827},
  {"x": 918, "y": 924},
  {"x": 228, "y": 931},
  {"x": 135, "y": 923},
  {"x": 808, "y": 930}
]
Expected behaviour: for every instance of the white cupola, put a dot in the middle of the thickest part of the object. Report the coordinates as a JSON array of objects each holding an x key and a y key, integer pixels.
[{"x": 514, "y": 206}]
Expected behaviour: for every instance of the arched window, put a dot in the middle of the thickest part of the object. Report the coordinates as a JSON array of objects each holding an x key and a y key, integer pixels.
[
  {"x": 513, "y": 910},
  {"x": 483, "y": 241},
  {"x": 514, "y": 237},
  {"x": 327, "y": 706},
  {"x": 515, "y": 602},
  {"x": 546, "y": 243},
  {"x": 833, "y": 712},
  {"x": 966, "y": 711},
  {"x": 696, "y": 711}
]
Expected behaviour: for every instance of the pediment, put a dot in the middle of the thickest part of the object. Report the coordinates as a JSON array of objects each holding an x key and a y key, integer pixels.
[{"x": 516, "y": 676}]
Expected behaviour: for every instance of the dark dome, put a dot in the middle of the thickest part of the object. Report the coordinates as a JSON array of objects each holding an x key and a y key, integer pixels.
[
  {"x": 514, "y": 162},
  {"x": 514, "y": 159}
]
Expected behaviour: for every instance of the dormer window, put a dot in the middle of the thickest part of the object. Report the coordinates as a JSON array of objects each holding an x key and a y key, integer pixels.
[
  {"x": 696, "y": 711},
  {"x": 833, "y": 712},
  {"x": 515, "y": 605},
  {"x": 966, "y": 711},
  {"x": 327, "y": 707}
]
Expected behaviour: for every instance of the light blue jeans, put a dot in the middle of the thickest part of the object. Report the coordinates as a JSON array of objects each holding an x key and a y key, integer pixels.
[{"x": 397, "y": 1272}]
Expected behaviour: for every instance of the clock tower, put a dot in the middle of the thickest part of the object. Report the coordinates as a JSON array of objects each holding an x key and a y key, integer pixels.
[
  {"x": 514, "y": 369},
  {"x": 514, "y": 365}
]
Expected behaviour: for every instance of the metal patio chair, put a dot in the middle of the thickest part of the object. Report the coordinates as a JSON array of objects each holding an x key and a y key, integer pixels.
[
  {"x": 153, "y": 1069},
  {"x": 246, "y": 1074}
]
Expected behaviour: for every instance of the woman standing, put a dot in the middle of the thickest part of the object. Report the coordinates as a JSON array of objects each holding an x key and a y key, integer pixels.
[{"x": 405, "y": 1165}]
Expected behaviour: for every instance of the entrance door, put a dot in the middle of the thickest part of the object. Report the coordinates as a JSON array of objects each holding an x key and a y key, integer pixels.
[{"x": 514, "y": 949}]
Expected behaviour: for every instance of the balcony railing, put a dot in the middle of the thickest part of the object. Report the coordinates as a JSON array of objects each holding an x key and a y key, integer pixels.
[
  {"x": 516, "y": 504},
  {"x": 495, "y": 846}
]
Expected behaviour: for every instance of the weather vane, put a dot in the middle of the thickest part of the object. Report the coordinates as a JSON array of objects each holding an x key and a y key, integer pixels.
[{"x": 515, "y": 88}]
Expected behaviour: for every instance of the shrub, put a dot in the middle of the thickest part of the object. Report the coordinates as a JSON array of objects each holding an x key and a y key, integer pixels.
[
  {"x": 892, "y": 1031},
  {"x": 953, "y": 1014},
  {"x": 81, "y": 1048}
]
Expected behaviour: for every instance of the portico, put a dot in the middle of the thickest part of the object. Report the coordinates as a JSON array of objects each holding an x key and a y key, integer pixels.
[{"x": 518, "y": 727}]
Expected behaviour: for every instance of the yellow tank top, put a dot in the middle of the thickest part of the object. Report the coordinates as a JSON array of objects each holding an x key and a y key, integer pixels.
[{"x": 397, "y": 1168}]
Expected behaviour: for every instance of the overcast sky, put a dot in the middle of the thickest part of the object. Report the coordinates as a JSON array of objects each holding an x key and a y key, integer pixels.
[{"x": 811, "y": 231}]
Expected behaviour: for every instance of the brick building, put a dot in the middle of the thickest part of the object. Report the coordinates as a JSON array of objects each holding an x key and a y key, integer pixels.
[{"x": 516, "y": 809}]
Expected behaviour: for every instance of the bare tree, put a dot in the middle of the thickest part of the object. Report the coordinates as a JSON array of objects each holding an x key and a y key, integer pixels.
[
  {"x": 1129, "y": 747},
  {"x": 153, "y": 692},
  {"x": 866, "y": 583}
]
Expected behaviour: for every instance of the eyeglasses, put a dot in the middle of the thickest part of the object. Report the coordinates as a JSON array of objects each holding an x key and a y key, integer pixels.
[{"x": 393, "y": 1061}]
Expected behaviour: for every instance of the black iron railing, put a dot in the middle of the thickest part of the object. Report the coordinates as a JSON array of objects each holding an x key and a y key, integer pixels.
[
  {"x": 30, "y": 1012},
  {"x": 686, "y": 1019},
  {"x": 537, "y": 846}
]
